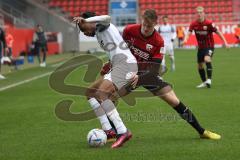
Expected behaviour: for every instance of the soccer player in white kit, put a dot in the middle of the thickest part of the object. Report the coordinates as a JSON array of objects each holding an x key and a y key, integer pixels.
[
  {"x": 123, "y": 72},
  {"x": 168, "y": 33}
]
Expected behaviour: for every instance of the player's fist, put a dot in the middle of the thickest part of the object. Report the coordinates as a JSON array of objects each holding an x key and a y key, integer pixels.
[{"x": 79, "y": 20}]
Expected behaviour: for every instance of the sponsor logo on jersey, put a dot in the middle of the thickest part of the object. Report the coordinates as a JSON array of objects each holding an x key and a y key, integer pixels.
[
  {"x": 204, "y": 27},
  {"x": 149, "y": 47},
  {"x": 202, "y": 32},
  {"x": 139, "y": 53}
]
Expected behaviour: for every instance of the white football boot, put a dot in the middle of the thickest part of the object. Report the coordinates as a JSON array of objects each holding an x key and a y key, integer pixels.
[
  {"x": 2, "y": 77},
  {"x": 202, "y": 85},
  {"x": 208, "y": 83}
]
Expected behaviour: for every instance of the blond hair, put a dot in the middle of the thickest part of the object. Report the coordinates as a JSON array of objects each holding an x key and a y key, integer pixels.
[{"x": 200, "y": 9}]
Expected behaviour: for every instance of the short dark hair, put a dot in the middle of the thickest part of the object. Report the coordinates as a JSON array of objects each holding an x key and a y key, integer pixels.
[
  {"x": 88, "y": 14},
  {"x": 150, "y": 14}
]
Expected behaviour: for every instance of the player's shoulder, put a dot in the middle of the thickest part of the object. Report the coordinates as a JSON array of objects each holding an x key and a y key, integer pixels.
[
  {"x": 157, "y": 38},
  {"x": 132, "y": 27},
  {"x": 195, "y": 22},
  {"x": 208, "y": 22}
]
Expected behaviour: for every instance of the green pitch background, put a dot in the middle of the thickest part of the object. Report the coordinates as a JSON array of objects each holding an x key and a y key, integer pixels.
[{"x": 29, "y": 128}]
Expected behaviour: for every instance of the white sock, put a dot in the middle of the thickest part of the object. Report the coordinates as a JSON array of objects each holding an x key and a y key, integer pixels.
[
  {"x": 117, "y": 121},
  {"x": 163, "y": 61},
  {"x": 172, "y": 62},
  {"x": 100, "y": 114}
]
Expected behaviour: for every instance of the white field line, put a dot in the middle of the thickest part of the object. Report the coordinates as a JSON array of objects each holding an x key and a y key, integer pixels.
[
  {"x": 35, "y": 77},
  {"x": 24, "y": 81}
]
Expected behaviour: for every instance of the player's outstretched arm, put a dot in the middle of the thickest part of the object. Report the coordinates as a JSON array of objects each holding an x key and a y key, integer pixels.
[
  {"x": 104, "y": 19},
  {"x": 187, "y": 37},
  {"x": 223, "y": 39}
]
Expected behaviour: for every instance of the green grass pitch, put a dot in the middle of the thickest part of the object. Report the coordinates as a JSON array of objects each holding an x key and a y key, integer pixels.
[{"x": 30, "y": 130}]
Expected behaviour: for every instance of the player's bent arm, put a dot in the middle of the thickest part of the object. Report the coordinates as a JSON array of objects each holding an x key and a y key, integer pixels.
[
  {"x": 174, "y": 33},
  {"x": 222, "y": 38},
  {"x": 104, "y": 19},
  {"x": 187, "y": 37}
]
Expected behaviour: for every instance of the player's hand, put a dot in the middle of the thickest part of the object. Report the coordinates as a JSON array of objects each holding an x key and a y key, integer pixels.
[
  {"x": 184, "y": 42},
  {"x": 134, "y": 81},
  {"x": 226, "y": 45},
  {"x": 6, "y": 50},
  {"x": 79, "y": 20}
]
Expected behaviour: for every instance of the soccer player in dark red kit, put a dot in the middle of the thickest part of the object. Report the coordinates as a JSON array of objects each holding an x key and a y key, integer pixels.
[
  {"x": 147, "y": 46},
  {"x": 204, "y": 29}
]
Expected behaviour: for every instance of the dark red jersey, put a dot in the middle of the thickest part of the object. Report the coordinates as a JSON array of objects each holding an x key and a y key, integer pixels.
[
  {"x": 204, "y": 33},
  {"x": 144, "y": 49}
]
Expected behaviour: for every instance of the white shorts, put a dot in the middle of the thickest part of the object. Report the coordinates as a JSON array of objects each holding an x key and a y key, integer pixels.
[
  {"x": 169, "y": 50},
  {"x": 122, "y": 72}
]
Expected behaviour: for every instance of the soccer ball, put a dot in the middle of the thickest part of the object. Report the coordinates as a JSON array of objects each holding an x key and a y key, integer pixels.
[{"x": 96, "y": 138}]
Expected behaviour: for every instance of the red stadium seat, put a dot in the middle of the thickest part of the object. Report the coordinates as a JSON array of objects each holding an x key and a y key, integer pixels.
[
  {"x": 64, "y": 3},
  {"x": 71, "y": 3},
  {"x": 181, "y": 11},
  {"x": 71, "y": 9}
]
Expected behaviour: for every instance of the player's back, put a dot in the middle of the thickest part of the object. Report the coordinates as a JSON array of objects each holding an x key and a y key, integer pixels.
[{"x": 112, "y": 42}]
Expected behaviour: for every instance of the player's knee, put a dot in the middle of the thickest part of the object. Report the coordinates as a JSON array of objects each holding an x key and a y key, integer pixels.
[
  {"x": 102, "y": 95},
  {"x": 207, "y": 59},
  {"x": 171, "y": 57},
  {"x": 90, "y": 92},
  {"x": 200, "y": 66}
]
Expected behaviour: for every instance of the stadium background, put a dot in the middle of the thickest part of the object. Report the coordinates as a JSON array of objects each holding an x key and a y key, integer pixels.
[
  {"x": 20, "y": 17},
  {"x": 29, "y": 128}
]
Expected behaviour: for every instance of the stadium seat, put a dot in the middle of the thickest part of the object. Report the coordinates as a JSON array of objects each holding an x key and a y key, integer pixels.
[
  {"x": 76, "y": 6},
  {"x": 169, "y": 7}
]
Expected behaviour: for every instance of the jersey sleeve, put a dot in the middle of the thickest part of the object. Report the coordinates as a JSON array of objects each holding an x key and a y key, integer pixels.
[
  {"x": 125, "y": 33},
  {"x": 174, "y": 33},
  {"x": 103, "y": 20},
  {"x": 213, "y": 28},
  {"x": 191, "y": 27},
  {"x": 158, "y": 54}
]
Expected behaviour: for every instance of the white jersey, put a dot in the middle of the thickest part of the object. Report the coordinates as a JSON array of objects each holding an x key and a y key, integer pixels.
[
  {"x": 110, "y": 39},
  {"x": 168, "y": 33},
  {"x": 112, "y": 42},
  {"x": 124, "y": 64}
]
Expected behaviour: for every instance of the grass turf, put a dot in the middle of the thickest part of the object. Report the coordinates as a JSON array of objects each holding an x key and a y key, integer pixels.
[{"x": 29, "y": 128}]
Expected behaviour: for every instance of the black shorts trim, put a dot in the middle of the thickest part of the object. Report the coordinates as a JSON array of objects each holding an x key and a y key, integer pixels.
[
  {"x": 204, "y": 52},
  {"x": 152, "y": 82}
]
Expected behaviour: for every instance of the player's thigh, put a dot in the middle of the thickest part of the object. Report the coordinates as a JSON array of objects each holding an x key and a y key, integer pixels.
[
  {"x": 156, "y": 85},
  {"x": 207, "y": 58},
  {"x": 122, "y": 72},
  {"x": 209, "y": 55},
  {"x": 200, "y": 55},
  {"x": 205, "y": 55},
  {"x": 91, "y": 90},
  {"x": 105, "y": 90}
]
